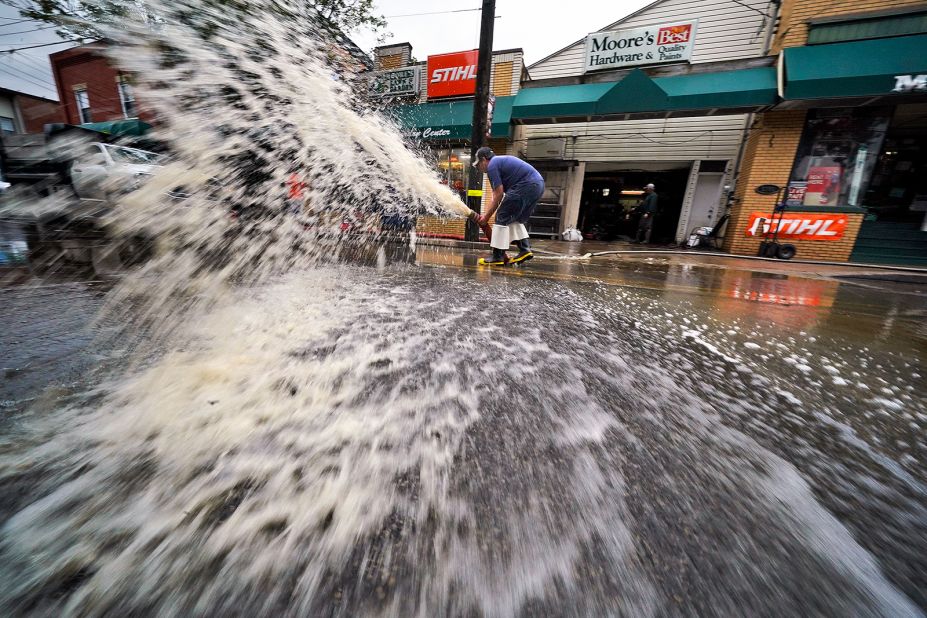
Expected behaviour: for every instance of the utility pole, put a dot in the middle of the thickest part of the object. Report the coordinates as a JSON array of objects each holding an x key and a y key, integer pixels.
[{"x": 480, "y": 110}]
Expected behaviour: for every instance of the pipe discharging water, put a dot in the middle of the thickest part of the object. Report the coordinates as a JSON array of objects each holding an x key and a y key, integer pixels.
[{"x": 269, "y": 428}]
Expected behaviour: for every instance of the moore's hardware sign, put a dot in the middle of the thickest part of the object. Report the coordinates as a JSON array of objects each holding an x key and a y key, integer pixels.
[
  {"x": 617, "y": 49},
  {"x": 451, "y": 75},
  {"x": 397, "y": 81}
]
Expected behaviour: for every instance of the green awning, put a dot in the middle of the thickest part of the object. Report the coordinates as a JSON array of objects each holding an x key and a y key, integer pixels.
[
  {"x": 558, "y": 101},
  {"x": 638, "y": 93},
  {"x": 854, "y": 69},
  {"x": 451, "y": 120},
  {"x": 635, "y": 93},
  {"x": 119, "y": 127},
  {"x": 729, "y": 89}
]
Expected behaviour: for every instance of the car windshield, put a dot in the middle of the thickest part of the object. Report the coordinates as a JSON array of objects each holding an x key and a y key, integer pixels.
[{"x": 121, "y": 154}]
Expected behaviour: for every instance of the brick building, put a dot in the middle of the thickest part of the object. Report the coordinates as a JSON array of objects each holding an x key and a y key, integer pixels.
[
  {"x": 24, "y": 113},
  {"x": 89, "y": 88},
  {"x": 847, "y": 137}
]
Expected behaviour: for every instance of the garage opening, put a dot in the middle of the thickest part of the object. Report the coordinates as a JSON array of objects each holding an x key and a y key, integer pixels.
[{"x": 609, "y": 199}]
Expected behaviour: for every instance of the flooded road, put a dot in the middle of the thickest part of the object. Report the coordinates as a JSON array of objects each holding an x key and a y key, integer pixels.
[{"x": 441, "y": 440}]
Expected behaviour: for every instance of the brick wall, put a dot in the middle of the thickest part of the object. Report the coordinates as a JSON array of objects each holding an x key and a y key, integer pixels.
[
  {"x": 794, "y": 16},
  {"x": 502, "y": 79},
  {"x": 84, "y": 67},
  {"x": 393, "y": 61},
  {"x": 36, "y": 113},
  {"x": 768, "y": 158}
]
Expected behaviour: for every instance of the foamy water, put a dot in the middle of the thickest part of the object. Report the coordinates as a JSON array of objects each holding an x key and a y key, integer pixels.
[{"x": 294, "y": 436}]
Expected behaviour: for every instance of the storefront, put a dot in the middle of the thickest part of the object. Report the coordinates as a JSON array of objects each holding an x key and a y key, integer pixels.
[
  {"x": 663, "y": 96},
  {"x": 847, "y": 141},
  {"x": 437, "y": 113}
]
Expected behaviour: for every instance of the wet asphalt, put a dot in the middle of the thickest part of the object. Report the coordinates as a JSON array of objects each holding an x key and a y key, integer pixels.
[{"x": 764, "y": 452}]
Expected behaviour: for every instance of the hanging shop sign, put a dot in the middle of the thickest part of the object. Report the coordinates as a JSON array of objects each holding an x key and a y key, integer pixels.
[
  {"x": 798, "y": 226},
  {"x": 397, "y": 82},
  {"x": 662, "y": 43},
  {"x": 451, "y": 75}
]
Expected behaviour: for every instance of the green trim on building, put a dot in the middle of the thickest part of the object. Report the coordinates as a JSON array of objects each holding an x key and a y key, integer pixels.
[
  {"x": 639, "y": 93},
  {"x": 559, "y": 101},
  {"x": 742, "y": 88},
  {"x": 855, "y": 69},
  {"x": 119, "y": 127},
  {"x": 635, "y": 93},
  {"x": 874, "y": 28},
  {"x": 451, "y": 120}
]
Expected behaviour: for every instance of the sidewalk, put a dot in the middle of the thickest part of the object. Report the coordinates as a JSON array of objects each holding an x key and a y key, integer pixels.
[{"x": 619, "y": 253}]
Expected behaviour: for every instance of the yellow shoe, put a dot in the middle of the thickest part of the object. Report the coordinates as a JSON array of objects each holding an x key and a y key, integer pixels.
[
  {"x": 523, "y": 256},
  {"x": 494, "y": 261}
]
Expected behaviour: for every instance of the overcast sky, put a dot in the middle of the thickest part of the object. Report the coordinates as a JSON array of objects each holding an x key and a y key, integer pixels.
[
  {"x": 540, "y": 28},
  {"x": 27, "y": 70},
  {"x": 520, "y": 23}
]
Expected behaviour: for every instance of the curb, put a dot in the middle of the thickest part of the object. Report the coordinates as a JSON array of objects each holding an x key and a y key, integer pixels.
[{"x": 462, "y": 244}]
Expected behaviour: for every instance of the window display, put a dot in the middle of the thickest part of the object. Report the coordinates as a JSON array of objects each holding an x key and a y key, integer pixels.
[
  {"x": 837, "y": 153},
  {"x": 454, "y": 166}
]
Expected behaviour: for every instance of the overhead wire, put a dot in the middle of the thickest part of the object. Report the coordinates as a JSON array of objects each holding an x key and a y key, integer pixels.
[
  {"x": 433, "y": 13},
  {"x": 63, "y": 42},
  {"x": 3, "y": 34}
]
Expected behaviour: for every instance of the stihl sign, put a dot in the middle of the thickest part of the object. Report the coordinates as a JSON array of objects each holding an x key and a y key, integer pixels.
[
  {"x": 798, "y": 226},
  {"x": 451, "y": 75}
]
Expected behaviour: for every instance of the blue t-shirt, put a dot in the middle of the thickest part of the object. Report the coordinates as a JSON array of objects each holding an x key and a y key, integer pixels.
[{"x": 510, "y": 171}]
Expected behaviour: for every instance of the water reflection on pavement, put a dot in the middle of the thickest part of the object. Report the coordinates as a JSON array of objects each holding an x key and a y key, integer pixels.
[{"x": 567, "y": 438}]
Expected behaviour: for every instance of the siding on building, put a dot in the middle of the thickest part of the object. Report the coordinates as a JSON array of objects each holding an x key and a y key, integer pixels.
[
  {"x": 726, "y": 31},
  {"x": 672, "y": 139}
]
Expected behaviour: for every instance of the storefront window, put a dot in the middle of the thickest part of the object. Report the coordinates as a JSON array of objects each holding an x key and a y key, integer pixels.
[
  {"x": 454, "y": 166},
  {"x": 836, "y": 156}
]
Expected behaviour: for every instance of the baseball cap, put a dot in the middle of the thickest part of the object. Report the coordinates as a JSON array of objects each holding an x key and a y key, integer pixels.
[{"x": 483, "y": 153}]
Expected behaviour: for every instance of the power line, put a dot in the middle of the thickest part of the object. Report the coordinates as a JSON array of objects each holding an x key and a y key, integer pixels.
[
  {"x": 433, "y": 13},
  {"x": 13, "y": 21},
  {"x": 46, "y": 85},
  {"x": 10, "y": 51},
  {"x": 2, "y": 34},
  {"x": 752, "y": 8},
  {"x": 38, "y": 81}
]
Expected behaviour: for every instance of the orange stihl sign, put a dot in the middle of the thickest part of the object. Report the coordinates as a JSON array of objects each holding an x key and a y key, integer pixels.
[
  {"x": 451, "y": 75},
  {"x": 798, "y": 226}
]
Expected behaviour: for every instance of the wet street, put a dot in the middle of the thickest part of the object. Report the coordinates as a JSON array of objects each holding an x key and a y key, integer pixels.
[{"x": 610, "y": 436}]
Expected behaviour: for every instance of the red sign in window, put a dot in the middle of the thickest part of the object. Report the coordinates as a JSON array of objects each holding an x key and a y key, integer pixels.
[{"x": 452, "y": 75}]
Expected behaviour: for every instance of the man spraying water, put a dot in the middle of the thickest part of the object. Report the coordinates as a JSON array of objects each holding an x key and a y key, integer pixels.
[{"x": 516, "y": 189}]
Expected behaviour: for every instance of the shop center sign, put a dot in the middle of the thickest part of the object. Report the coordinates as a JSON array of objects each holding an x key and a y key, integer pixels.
[
  {"x": 452, "y": 75},
  {"x": 672, "y": 42},
  {"x": 397, "y": 82}
]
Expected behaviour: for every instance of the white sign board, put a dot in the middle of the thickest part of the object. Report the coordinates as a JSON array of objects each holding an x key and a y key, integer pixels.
[
  {"x": 406, "y": 80},
  {"x": 672, "y": 42}
]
